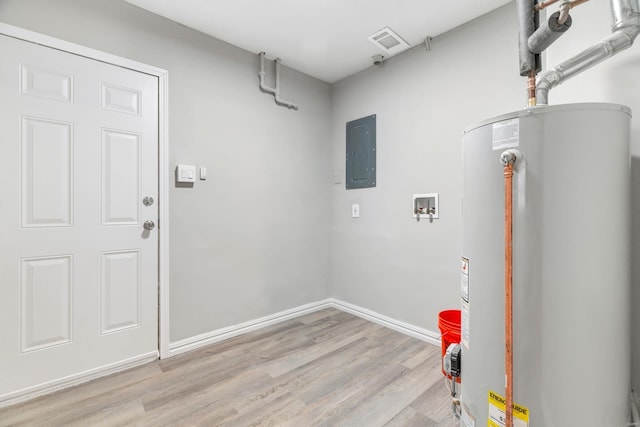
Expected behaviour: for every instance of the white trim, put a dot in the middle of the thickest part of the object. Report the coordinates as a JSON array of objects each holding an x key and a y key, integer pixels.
[
  {"x": 76, "y": 49},
  {"x": 218, "y": 335},
  {"x": 75, "y": 379},
  {"x": 163, "y": 154},
  {"x": 163, "y": 213},
  {"x": 398, "y": 326},
  {"x": 202, "y": 340}
]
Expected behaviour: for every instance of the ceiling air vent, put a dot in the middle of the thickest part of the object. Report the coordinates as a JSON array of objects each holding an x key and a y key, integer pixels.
[{"x": 388, "y": 41}]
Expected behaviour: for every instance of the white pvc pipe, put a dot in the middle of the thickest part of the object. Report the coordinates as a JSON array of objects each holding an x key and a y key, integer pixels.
[
  {"x": 275, "y": 91},
  {"x": 279, "y": 100},
  {"x": 263, "y": 86}
]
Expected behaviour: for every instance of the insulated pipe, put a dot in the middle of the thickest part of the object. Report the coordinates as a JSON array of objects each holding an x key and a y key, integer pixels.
[
  {"x": 549, "y": 32},
  {"x": 276, "y": 90},
  {"x": 626, "y": 26},
  {"x": 528, "y": 22}
]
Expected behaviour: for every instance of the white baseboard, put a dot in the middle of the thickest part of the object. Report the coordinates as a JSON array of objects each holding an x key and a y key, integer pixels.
[
  {"x": 75, "y": 379},
  {"x": 202, "y": 340},
  {"x": 402, "y": 327},
  {"x": 218, "y": 335}
]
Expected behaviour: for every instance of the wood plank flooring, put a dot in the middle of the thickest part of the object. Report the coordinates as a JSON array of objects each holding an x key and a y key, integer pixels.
[{"x": 328, "y": 368}]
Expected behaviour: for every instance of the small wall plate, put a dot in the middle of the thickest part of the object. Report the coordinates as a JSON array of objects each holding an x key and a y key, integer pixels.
[{"x": 185, "y": 173}]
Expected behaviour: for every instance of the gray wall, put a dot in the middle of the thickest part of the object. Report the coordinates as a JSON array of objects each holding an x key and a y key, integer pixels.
[
  {"x": 385, "y": 260},
  {"x": 252, "y": 240},
  {"x": 616, "y": 80},
  {"x": 256, "y": 237}
]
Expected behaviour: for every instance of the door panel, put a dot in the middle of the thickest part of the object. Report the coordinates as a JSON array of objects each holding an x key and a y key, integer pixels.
[
  {"x": 120, "y": 177},
  {"x": 78, "y": 272},
  {"x": 46, "y": 183},
  {"x": 46, "y": 302},
  {"x": 46, "y": 84},
  {"x": 120, "y": 290}
]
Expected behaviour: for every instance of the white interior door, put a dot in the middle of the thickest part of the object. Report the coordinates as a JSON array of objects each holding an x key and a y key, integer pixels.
[{"x": 78, "y": 271}]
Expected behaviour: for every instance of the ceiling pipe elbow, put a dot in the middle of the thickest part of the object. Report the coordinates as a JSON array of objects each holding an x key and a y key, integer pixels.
[
  {"x": 283, "y": 103},
  {"x": 263, "y": 87},
  {"x": 626, "y": 26},
  {"x": 275, "y": 91},
  {"x": 276, "y": 95}
]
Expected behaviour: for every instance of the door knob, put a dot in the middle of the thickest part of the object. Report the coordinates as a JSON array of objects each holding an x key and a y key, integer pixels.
[{"x": 148, "y": 224}]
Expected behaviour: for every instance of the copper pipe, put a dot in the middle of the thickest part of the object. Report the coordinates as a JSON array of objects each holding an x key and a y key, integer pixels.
[
  {"x": 575, "y": 3},
  {"x": 547, "y": 3},
  {"x": 564, "y": 12},
  {"x": 508, "y": 287},
  {"x": 544, "y": 4},
  {"x": 531, "y": 88}
]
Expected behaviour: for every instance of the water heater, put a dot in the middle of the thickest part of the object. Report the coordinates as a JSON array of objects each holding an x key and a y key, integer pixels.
[{"x": 571, "y": 278}]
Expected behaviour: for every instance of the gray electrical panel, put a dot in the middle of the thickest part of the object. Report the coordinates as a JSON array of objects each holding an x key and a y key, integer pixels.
[{"x": 361, "y": 153}]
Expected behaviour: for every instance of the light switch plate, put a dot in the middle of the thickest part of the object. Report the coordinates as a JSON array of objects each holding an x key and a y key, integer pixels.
[
  {"x": 185, "y": 173},
  {"x": 355, "y": 210}
]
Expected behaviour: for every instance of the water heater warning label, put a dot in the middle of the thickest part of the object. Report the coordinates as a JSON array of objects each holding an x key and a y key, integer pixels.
[
  {"x": 506, "y": 134},
  {"x": 497, "y": 417}
]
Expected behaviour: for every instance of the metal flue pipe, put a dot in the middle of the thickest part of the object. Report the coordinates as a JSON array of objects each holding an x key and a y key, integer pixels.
[{"x": 626, "y": 26}]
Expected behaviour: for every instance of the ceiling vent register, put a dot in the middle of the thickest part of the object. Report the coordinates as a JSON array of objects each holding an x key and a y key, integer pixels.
[{"x": 388, "y": 41}]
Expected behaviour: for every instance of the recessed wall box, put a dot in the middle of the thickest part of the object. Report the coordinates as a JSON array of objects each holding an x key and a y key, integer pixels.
[{"x": 426, "y": 206}]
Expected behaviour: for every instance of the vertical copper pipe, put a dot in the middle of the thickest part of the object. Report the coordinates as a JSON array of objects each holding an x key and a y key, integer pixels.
[
  {"x": 531, "y": 88},
  {"x": 508, "y": 287}
]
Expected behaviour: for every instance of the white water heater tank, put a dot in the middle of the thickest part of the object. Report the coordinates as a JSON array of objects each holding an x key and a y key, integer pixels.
[{"x": 571, "y": 261}]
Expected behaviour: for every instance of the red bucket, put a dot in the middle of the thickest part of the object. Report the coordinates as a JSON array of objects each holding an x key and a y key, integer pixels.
[{"x": 449, "y": 324}]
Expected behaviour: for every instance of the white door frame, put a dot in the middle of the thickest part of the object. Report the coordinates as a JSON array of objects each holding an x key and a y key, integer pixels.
[{"x": 163, "y": 155}]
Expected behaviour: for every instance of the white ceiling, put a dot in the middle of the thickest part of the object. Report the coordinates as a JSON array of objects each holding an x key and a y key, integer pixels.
[{"x": 326, "y": 39}]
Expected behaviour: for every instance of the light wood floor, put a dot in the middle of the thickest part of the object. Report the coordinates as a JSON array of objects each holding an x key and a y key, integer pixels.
[{"x": 328, "y": 368}]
